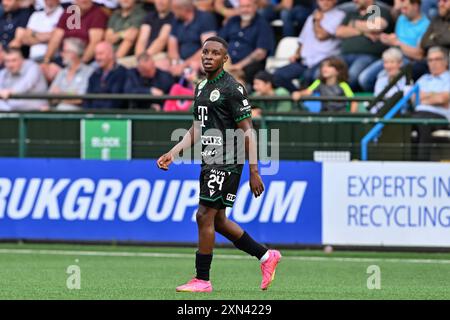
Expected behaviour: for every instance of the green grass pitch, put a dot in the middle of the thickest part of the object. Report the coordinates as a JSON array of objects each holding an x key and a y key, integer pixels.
[{"x": 39, "y": 271}]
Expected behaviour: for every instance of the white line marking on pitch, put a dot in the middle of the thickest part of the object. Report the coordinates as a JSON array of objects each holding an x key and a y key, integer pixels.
[{"x": 223, "y": 256}]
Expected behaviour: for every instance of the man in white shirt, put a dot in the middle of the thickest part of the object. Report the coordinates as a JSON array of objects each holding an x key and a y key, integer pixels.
[
  {"x": 434, "y": 100},
  {"x": 20, "y": 76},
  {"x": 317, "y": 42},
  {"x": 38, "y": 30}
]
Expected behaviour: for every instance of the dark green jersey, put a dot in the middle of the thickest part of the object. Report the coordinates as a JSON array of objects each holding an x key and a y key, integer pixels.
[{"x": 219, "y": 105}]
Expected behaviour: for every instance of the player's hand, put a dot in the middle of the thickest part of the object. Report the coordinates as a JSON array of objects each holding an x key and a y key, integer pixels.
[
  {"x": 164, "y": 161},
  {"x": 256, "y": 184}
]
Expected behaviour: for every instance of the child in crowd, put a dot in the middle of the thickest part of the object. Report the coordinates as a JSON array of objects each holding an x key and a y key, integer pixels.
[{"x": 332, "y": 82}]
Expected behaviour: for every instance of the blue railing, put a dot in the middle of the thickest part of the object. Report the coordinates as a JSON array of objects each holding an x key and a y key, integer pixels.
[{"x": 376, "y": 130}]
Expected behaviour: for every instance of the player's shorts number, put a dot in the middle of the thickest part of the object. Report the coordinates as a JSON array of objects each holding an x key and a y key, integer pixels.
[{"x": 215, "y": 179}]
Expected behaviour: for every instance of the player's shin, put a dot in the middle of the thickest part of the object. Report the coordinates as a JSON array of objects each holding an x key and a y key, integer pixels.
[{"x": 250, "y": 246}]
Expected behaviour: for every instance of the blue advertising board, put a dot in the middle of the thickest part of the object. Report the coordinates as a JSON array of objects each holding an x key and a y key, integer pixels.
[{"x": 119, "y": 200}]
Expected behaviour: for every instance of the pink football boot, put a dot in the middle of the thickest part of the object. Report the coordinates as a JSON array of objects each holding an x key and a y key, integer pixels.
[
  {"x": 196, "y": 285},
  {"x": 268, "y": 268}
]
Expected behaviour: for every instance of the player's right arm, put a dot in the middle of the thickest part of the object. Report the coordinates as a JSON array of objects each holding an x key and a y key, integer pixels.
[{"x": 189, "y": 139}]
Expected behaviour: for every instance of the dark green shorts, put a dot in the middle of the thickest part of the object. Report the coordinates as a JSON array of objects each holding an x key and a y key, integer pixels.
[{"x": 218, "y": 187}]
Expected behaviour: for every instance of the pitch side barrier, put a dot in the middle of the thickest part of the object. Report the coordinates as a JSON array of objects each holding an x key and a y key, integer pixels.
[
  {"x": 371, "y": 204},
  {"x": 19, "y": 132}
]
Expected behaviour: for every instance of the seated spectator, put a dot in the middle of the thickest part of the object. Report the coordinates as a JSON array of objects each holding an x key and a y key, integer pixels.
[
  {"x": 123, "y": 27},
  {"x": 332, "y": 82},
  {"x": 109, "y": 77},
  {"x": 316, "y": 42},
  {"x": 190, "y": 29},
  {"x": 293, "y": 13},
  {"x": 91, "y": 30},
  {"x": 12, "y": 18},
  {"x": 226, "y": 8},
  {"x": 360, "y": 33},
  {"x": 250, "y": 39},
  {"x": 74, "y": 77},
  {"x": 434, "y": 100},
  {"x": 18, "y": 77},
  {"x": 409, "y": 29},
  {"x": 37, "y": 33},
  {"x": 155, "y": 31},
  {"x": 148, "y": 79},
  {"x": 438, "y": 33},
  {"x": 263, "y": 87},
  {"x": 185, "y": 86},
  {"x": 392, "y": 64}
]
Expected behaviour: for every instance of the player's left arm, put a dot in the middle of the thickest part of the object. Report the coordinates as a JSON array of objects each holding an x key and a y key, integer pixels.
[{"x": 256, "y": 184}]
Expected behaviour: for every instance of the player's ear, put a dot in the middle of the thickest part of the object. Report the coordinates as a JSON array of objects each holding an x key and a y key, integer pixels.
[{"x": 225, "y": 58}]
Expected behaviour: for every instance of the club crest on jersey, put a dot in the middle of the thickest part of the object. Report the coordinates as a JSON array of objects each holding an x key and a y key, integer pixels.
[{"x": 214, "y": 96}]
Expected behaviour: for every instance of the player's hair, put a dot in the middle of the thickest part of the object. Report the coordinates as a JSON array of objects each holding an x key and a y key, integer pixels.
[{"x": 218, "y": 39}]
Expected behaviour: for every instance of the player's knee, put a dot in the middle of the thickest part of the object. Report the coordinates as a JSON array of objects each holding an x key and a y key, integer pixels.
[{"x": 203, "y": 217}]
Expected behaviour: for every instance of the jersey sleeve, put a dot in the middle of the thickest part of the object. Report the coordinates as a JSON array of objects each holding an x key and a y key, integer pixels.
[
  {"x": 194, "y": 105},
  {"x": 239, "y": 104}
]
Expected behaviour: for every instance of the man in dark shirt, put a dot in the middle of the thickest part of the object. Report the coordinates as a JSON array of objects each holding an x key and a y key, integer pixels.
[
  {"x": 190, "y": 28},
  {"x": 155, "y": 29},
  {"x": 147, "y": 79},
  {"x": 108, "y": 78},
  {"x": 360, "y": 33},
  {"x": 12, "y": 18},
  {"x": 251, "y": 40},
  {"x": 438, "y": 32}
]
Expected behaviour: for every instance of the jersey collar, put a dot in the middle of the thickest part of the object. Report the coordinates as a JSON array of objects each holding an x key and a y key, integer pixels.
[{"x": 219, "y": 76}]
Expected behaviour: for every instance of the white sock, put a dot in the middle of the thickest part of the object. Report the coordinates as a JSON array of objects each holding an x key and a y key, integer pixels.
[{"x": 264, "y": 257}]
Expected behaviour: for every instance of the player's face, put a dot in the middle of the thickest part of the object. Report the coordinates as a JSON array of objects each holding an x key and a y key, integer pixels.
[{"x": 213, "y": 56}]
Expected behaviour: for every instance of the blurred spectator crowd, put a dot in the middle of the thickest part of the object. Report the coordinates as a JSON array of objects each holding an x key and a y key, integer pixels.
[{"x": 154, "y": 46}]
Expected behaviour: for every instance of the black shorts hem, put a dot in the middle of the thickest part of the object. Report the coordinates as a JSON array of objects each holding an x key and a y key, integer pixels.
[{"x": 216, "y": 204}]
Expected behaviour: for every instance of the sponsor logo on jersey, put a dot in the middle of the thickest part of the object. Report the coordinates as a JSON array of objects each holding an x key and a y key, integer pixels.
[
  {"x": 241, "y": 89},
  {"x": 214, "y": 96},
  {"x": 211, "y": 140},
  {"x": 247, "y": 108},
  {"x": 209, "y": 153},
  {"x": 245, "y": 102},
  {"x": 231, "y": 197},
  {"x": 202, "y": 114}
]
